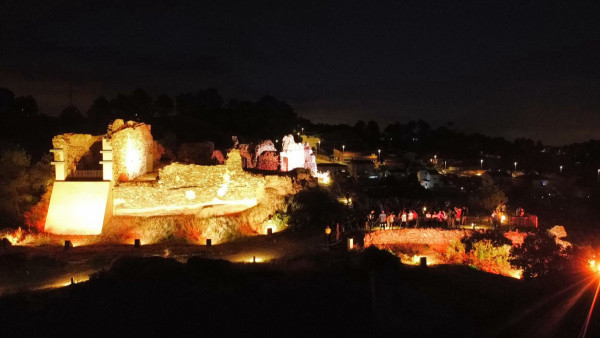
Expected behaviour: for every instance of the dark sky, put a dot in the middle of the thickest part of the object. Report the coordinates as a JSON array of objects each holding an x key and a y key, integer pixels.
[{"x": 506, "y": 68}]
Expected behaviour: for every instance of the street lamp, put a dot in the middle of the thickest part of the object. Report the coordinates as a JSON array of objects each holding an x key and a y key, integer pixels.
[
  {"x": 515, "y": 166},
  {"x": 379, "y": 151},
  {"x": 319, "y": 146},
  {"x": 444, "y": 165},
  {"x": 481, "y": 164},
  {"x": 343, "y": 149},
  {"x": 560, "y": 168},
  {"x": 435, "y": 159}
]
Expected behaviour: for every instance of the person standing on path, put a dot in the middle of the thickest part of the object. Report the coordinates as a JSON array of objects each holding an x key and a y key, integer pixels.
[{"x": 382, "y": 220}]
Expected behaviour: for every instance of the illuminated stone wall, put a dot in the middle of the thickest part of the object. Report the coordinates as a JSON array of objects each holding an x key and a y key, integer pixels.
[
  {"x": 134, "y": 150},
  {"x": 75, "y": 146},
  {"x": 292, "y": 154},
  {"x": 188, "y": 188},
  {"x": 268, "y": 160},
  {"x": 79, "y": 208},
  {"x": 252, "y": 153}
]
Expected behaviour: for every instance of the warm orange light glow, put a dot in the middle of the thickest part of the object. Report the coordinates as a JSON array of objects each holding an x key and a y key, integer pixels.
[
  {"x": 503, "y": 219},
  {"x": 518, "y": 274},
  {"x": 15, "y": 237},
  {"x": 594, "y": 266},
  {"x": 416, "y": 260},
  {"x": 223, "y": 189},
  {"x": 79, "y": 208},
  {"x": 190, "y": 194},
  {"x": 133, "y": 158},
  {"x": 323, "y": 178}
]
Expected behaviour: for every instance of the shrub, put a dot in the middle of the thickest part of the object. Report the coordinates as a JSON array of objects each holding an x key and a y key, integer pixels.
[
  {"x": 494, "y": 258},
  {"x": 496, "y": 238},
  {"x": 455, "y": 252},
  {"x": 315, "y": 208},
  {"x": 539, "y": 255}
]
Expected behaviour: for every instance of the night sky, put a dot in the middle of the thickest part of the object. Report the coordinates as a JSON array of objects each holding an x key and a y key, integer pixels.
[{"x": 505, "y": 68}]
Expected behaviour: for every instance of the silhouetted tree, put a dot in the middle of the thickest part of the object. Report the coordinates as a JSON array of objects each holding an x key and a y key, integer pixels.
[
  {"x": 142, "y": 105},
  {"x": 100, "y": 114},
  {"x": 163, "y": 105},
  {"x": 123, "y": 107},
  {"x": 372, "y": 133},
  {"x": 539, "y": 255},
  {"x": 209, "y": 99},
  {"x": 315, "y": 209},
  {"x": 71, "y": 113},
  {"x": 488, "y": 196},
  {"x": 7, "y": 99},
  {"x": 25, "y": 107},
  {"x": 14, "y": 164}
]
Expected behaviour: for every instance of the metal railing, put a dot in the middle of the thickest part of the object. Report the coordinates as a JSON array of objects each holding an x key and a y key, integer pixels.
[{"x": 86, "y": 174}]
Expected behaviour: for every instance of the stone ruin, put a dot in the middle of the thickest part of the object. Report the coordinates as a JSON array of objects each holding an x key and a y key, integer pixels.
[
  {"x": 297, "y": 155},
  {"x": 265, "y": 156},
  {"x": 262, "y": 156},
  {"x": 134, "y": 151},
  {"x": 126, "y": 152}
]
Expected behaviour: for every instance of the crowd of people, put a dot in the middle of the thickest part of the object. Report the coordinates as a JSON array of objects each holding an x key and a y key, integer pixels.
[{"x": 450, "y": 218}]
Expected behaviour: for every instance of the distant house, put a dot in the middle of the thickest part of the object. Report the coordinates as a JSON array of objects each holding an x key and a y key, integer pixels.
[
  {"x": 429, "y": 178},
  {"x": 362, "y": 169}
]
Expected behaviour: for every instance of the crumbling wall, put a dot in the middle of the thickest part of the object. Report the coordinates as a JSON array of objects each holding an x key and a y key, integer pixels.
[
  {"x": 268, "y": 160},
  {"x": 134, "y": 149},
  {"x": 292, "y": 154},
  {"x": 75, "y": 146},
  {"x": 191, "y": 187},
  {"x": 310, "y": 162},
  {"x": 297, "y": 155}
]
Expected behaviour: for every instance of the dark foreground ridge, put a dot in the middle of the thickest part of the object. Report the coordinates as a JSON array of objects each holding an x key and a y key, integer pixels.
[{"x": 338, "y": 294}]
